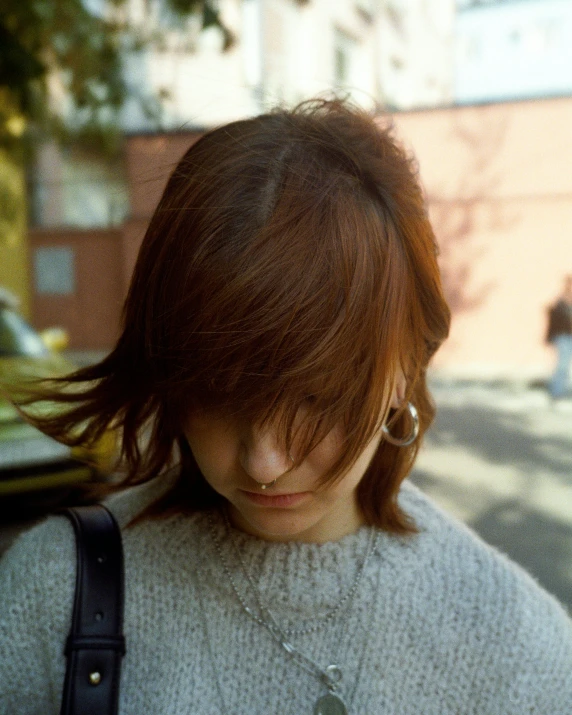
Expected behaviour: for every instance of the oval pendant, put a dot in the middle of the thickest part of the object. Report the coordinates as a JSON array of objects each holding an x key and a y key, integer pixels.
[{"x": 330, "y": 704}]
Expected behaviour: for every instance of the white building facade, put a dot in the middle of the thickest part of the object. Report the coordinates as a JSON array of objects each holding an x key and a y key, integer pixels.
[
  {"x": 388, "y": 53},
  {"x": 383, "y": 54},
  {"x": 512, "y": 49}
]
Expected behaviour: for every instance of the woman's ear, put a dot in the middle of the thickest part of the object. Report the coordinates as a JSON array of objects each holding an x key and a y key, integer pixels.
[{"x": 399, "y": 390}]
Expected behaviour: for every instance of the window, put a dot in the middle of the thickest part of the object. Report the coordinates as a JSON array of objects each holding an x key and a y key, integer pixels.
[
  {"x": 54, "y": 270},
  {"x": 345, "y": 48},
  {"x": 72, "y": 188}
]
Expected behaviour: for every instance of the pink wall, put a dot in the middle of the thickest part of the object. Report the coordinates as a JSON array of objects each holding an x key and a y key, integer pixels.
[{"x": 498, "y": 180}]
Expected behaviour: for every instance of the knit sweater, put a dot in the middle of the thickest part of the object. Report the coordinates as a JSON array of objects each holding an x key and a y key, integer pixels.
[{"x": 441, "y": 623}]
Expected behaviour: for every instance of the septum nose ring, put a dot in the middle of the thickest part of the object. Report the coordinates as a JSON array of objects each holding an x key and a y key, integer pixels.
[{"x": 273, "y": 482}]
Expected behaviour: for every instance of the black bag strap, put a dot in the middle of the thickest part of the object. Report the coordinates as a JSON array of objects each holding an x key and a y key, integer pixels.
[{"x": 96, "y": 643}]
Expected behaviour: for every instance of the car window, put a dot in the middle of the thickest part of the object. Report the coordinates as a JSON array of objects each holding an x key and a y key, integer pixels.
[{"x": 17, "y": 338}]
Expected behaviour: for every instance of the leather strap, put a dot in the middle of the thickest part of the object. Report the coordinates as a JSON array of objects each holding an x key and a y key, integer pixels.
[{"x": 96, "y": 643}]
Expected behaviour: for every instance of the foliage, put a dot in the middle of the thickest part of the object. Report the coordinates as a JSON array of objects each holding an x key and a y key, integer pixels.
[{"x": 62, "y": 64}]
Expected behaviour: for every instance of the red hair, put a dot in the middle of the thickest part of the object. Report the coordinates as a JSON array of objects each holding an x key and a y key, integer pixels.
[{"x": 290, "y": 258}]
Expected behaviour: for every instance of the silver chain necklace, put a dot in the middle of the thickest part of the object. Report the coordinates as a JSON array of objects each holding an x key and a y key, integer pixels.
[
  {"x": 331, "y": 676},
  {"x": 320, "y": 621}
]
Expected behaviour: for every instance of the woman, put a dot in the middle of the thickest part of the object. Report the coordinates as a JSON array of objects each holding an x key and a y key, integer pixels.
[
  {"x": 560, "y": 335},
  {"x": 270, "y": 387}
]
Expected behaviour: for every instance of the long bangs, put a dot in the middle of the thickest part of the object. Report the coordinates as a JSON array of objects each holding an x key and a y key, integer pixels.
[{"x": 307, "y": 310}]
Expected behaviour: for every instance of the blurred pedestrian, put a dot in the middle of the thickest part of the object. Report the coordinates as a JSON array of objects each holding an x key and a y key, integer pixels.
[
  {"x": 270, "y": 388},
  {"x": 560, "y": 336}
]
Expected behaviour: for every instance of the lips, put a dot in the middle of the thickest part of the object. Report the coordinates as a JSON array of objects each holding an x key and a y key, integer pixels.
[{"x": 275, "y": 500}]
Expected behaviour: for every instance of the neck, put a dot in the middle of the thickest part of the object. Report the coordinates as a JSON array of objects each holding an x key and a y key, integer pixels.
[{"x": 332, "y": 527}]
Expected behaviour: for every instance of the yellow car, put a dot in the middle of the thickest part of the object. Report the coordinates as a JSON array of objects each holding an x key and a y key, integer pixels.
[{"x": 29, "y": 460}]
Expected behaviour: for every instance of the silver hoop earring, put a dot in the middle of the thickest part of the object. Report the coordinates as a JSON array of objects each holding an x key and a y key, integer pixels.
[
  {"x": 266, "y": 486},
  {"x": 411, "y": 437}
]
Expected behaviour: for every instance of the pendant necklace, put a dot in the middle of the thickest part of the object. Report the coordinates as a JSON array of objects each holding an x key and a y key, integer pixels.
[{"x": 331, "y": 703}]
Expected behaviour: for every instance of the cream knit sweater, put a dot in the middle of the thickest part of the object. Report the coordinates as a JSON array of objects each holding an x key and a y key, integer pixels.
[{"x": 441, "y": 625}]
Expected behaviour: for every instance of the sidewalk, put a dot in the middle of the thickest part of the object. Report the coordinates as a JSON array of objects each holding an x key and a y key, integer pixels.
[{"x": 499, "y": 457}]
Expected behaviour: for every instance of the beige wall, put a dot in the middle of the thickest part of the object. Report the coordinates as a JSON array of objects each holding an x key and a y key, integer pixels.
[{"x": 499, "y": 185}]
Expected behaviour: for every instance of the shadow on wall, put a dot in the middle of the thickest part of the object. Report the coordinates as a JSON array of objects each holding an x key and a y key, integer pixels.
[{"x": 457, "y": 214}]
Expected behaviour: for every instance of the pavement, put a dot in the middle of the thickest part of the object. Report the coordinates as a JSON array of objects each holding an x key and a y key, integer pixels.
[{"x": 499, "y": 457}]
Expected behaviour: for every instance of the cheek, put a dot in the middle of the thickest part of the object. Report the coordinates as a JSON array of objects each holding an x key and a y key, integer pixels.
[
  {"x": 325, "y": 453},
  {"x": 355, "y": 474},
  {"x": 213, "y": 444}
]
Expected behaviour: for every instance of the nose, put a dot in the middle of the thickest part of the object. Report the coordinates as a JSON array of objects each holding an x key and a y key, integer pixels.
[{"x": 262, "y": 457}]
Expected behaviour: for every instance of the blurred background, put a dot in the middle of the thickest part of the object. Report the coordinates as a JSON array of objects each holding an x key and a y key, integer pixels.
[{"x": 99, "y": 99}]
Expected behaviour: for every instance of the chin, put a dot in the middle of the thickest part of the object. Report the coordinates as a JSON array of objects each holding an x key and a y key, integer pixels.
[{"x": 278, "y": 526}]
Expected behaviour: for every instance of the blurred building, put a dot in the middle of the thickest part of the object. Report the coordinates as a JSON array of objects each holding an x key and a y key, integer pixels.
[
  {"x": 87, "y": 210},
  {"x": 480, "y": 91},
  {"x": 512, "y": 49},
  {"x": 394, "y": 54}
]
